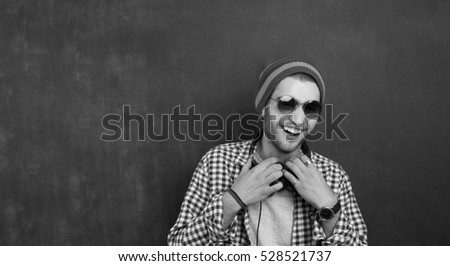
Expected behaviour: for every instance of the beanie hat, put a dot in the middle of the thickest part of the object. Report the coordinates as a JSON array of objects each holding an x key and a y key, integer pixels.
[{"x": 277, "y": 71}]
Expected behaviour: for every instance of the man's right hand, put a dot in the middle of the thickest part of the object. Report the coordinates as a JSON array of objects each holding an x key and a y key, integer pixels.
[{"x": 253, "y": 185}]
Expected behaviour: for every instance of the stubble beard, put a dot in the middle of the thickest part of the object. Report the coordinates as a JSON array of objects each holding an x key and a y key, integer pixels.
[{"x": 278, "y": 138}]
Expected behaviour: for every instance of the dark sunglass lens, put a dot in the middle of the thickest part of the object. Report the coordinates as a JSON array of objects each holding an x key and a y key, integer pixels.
[
  {"x": 312, "y": 108},
  {"x": 287, "y": 105}
]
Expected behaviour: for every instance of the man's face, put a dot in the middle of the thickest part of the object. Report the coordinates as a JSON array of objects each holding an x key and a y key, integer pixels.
[{"x": 286, "y": 131}]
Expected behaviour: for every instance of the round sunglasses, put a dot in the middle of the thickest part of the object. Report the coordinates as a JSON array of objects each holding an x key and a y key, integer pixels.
[{"x": 287, "y": 105}]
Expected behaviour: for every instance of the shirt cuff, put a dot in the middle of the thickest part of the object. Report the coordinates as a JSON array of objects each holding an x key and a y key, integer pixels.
[
  {"x": 214, "y": 222},
  {"x": 342, "y": 235}
]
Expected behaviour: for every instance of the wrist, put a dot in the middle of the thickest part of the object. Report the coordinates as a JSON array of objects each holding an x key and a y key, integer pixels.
[
  {"x": 237, "y": 198},
  {"x": 326, "y": 214},
  {"x": 230, "y": 203},
  {"x": 328, "y": 202}
]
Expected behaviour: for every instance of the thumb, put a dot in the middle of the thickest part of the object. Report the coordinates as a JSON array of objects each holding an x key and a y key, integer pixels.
[{"x": 247, "y": 165}]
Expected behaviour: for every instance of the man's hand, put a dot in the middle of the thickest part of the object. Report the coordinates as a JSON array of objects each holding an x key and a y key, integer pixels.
[
  {"x": 309, "y": 183},
  {"x": 253, "y": 185}
]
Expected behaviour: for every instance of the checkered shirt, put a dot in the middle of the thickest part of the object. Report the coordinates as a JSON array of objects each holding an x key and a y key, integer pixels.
[{"x": 201, "y": 215}]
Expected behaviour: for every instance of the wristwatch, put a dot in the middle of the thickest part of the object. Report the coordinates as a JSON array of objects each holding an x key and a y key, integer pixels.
[{"x": 326, "y": 213}]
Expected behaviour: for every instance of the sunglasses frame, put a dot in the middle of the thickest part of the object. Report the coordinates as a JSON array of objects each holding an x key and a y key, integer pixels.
[{"x": 297, "y": 103}]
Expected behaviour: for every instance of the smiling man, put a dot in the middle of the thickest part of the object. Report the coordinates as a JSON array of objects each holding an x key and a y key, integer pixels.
[{"x": 273, "y": 190}]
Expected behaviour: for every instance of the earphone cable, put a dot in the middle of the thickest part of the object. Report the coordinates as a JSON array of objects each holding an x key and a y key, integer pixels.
[{"x": 259, "y": 221}]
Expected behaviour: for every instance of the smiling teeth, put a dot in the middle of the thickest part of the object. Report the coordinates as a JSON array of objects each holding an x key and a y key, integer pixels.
[{"x": 292, "y": 130}]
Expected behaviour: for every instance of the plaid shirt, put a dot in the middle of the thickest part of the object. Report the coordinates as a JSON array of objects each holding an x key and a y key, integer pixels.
[{"x": 201, "y": 214}]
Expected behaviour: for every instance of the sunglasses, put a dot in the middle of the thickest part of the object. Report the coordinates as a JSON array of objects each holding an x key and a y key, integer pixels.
[{"x": 287, "y": 105}]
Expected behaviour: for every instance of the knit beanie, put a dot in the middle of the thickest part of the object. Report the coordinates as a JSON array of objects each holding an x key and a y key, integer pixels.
[{"x": 277, "y": 71}]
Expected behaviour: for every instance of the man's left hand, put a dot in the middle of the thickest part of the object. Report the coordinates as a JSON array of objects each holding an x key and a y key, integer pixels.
[{"x": 309, "y": 182}]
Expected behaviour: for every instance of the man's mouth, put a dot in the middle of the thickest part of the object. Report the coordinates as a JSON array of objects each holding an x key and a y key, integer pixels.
[{"x": 292, "y": 130}]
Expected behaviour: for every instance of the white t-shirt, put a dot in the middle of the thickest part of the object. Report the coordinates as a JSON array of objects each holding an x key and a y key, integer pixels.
[{"x": 276, "y": 219}]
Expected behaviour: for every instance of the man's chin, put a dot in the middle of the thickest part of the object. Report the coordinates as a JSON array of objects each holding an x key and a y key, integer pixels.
[
  {"x": 285, "y": 143},
  {"x": 289, "y": 145}
]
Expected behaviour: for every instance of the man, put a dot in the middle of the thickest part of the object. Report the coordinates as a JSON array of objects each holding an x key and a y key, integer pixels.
[{"x": 273, "y": 190}]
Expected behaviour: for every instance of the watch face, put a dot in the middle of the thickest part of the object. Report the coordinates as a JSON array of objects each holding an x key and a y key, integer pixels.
[{"x": 326, "y": 214}]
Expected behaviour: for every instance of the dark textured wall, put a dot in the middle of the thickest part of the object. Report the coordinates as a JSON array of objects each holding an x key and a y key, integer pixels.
[{"x": 66, "y": 64}]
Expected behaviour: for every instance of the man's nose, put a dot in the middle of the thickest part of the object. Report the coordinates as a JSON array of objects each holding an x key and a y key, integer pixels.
[{"x": 298, "y": 116}]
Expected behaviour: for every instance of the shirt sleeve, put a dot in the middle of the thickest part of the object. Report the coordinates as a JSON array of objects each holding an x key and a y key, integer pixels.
[
  {"x": 350, "y": 229},
  {"x": 201, "y": 216}
]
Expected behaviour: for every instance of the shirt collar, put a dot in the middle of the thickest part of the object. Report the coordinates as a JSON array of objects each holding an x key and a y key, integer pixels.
[
  {"x": 245, "y": 152},
  {"x": 250, "y": 146}
]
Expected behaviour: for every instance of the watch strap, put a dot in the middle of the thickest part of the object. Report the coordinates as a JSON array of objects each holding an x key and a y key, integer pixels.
[{"x": 337, "y": 207}]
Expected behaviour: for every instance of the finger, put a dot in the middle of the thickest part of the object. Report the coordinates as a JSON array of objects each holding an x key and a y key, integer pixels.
[
  {"x": 300, "y": 164},
  {"x": 266, "y": 163},
  {"x": 290, "y": 177},
  {"x": 272, "y": 169},
  {"x": 247, "y": 165},
  {"x": 276, "y": 187},
  {"x": 294, "y": 168},
  {"x": 306, "y": 161},
  {"x": 274, "y": 176}
]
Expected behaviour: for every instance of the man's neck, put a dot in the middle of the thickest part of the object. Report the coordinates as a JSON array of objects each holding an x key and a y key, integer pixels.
[{"x": 266, "y": 150}]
